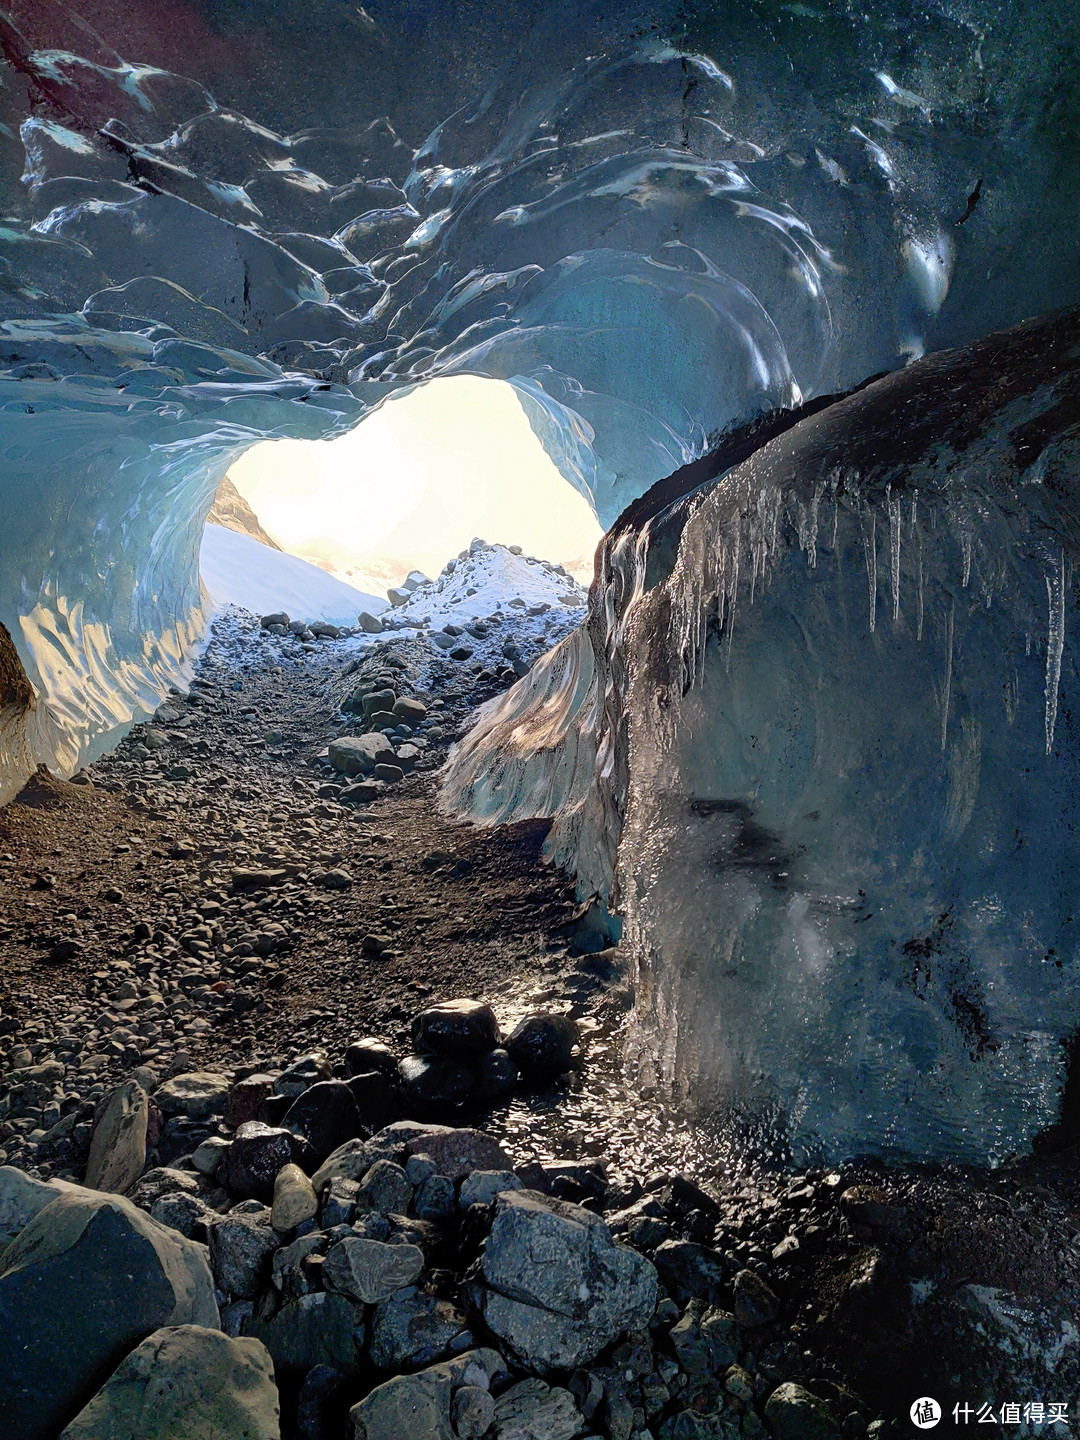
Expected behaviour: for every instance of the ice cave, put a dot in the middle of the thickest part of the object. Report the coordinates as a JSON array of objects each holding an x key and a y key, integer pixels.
[{"x": 790, "y": 295}]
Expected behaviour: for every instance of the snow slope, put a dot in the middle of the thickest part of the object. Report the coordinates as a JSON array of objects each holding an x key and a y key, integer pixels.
[
  {"x": 485, "y": 578},
  {"x": 237, "y": 570}
]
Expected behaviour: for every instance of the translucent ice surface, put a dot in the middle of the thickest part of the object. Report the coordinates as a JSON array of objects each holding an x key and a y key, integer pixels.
[{"x": 836, "y": 693}]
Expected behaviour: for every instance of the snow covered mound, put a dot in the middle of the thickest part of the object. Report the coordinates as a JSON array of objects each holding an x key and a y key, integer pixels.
[
  {"x": 487, "y": 578},
  {"x": 238, "y": 570}
]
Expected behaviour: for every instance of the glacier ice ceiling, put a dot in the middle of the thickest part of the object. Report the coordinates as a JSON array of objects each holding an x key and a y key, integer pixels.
[{"x": 832, "y": 672}]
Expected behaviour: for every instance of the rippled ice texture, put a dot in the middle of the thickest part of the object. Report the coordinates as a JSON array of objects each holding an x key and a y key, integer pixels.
[{"x": 653, "y": 221}]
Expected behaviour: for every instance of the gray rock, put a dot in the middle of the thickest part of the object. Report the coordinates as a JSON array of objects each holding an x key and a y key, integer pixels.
[
  {"x": 118, "y": 1144},
  {"x": 705, "y": 1340},
  {"x": 413, "y": 1328},
  {"x": 355, "y": 1158},
  {"x": 185, "y": 1381},
  {"x": 85, "y": 1281},
  {"x": 459, "y": 1152},
  {"x": 359, "y": 754},
  {"x": 693, "y": 1272},
  {"x": 555, "y": 1286},
  {"x": 317, "y": 1329},
  {"x": 338, "y": 1202},
  {"x": 208, "y": 1156},
  {"x": 198, "y": 1094},
  {"x": 368, "y": 1054},
  {"x": 472, "y": 1411},
  {"x": 369, "y": 623},
  {"x": 481, "y": 1187},
  {"x": 163, "y": 1180},
  {"x": 542, "y": 1045},
  {"x": 240, "y": 1250},
  {"x": 793, "y": 1413},
  {"x": 370, "y": 1271},
  {"x": 21, "y": 1197},
  {"x": 385, "y": 1188},
  {"x": 755, "y": 1303},
  {"x": 418, "y": 1407},
  {"x": 294, "y": 1199},
  {"x": 435, "y": 1199},
  {"x": 290, "y": 1275},
  {"x": 186, "y": 1213},
  {"x": 308, "y": 1070},
  {"x": 410, "y": 710},
  {"x": 532, "y": 1410}
]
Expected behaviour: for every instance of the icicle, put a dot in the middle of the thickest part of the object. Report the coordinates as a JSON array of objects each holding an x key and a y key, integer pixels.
[
  {"x": 894, "y": 549},
  {"x": 733, "y": 586},
  {"x": 921, "y": 612},
  {"x": 965, "y": 546},
  {"x": 815, "y": 506},
  {"x": 947, "y": 699},
  {"x": 870, "y": 549},
  {"x": 1055, "y": 645}
]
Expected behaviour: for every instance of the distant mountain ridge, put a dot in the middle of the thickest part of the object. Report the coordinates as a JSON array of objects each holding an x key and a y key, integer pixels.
[{"x": 232, "y": 512}]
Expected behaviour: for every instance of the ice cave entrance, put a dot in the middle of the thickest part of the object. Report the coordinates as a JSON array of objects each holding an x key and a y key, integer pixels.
[{"x": 404, "y": 491}]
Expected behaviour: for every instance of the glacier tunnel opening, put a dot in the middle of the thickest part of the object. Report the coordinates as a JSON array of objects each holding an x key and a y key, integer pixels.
[{"x": 404, "y": 491}]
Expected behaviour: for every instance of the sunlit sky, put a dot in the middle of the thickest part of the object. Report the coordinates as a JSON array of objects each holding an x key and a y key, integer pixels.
[{"x": 414, "y": 483}]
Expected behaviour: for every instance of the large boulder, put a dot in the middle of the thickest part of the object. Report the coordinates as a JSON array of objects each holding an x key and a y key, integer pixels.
[
  {"x": 21, "y": 1197},
  {"x": 316, "y": 1329},
  {"x": 83, "y": 1283},
  {"x": 118, "y": 1144},
  {"x": 793, "y": 1413},
  {"x": 359, "y": 754},
  {"x": 325, "y": 1115},
  {"x": 258, "y": 1152},
  {"x": 370, "y": 1270},
  {"x": 460, "y": 1029},
  {"x": 185, "y": 1383},
  {"x": 419, "y": 1406},
  {"x": 555, "y": 1287},
  {"x": 198, "y": 1094}
]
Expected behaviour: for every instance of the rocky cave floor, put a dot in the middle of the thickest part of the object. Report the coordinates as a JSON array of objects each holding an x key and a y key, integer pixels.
[{"x": 214, "y": 917}]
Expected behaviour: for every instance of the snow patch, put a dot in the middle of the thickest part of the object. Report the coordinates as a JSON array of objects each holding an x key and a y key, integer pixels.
[{"x": 238, "y": 570}]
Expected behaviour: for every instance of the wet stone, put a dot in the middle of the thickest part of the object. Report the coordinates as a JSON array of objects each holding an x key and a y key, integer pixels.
[
  {"x": 369, "y": 1054},
  {"x": 460, "y": 1029},
  {"x": 257, "y": 1154},
  {"x": 433, "y": 1085},
  {"x": 542, "y": 1045},
  {"x": 325, "y": 1115}
]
